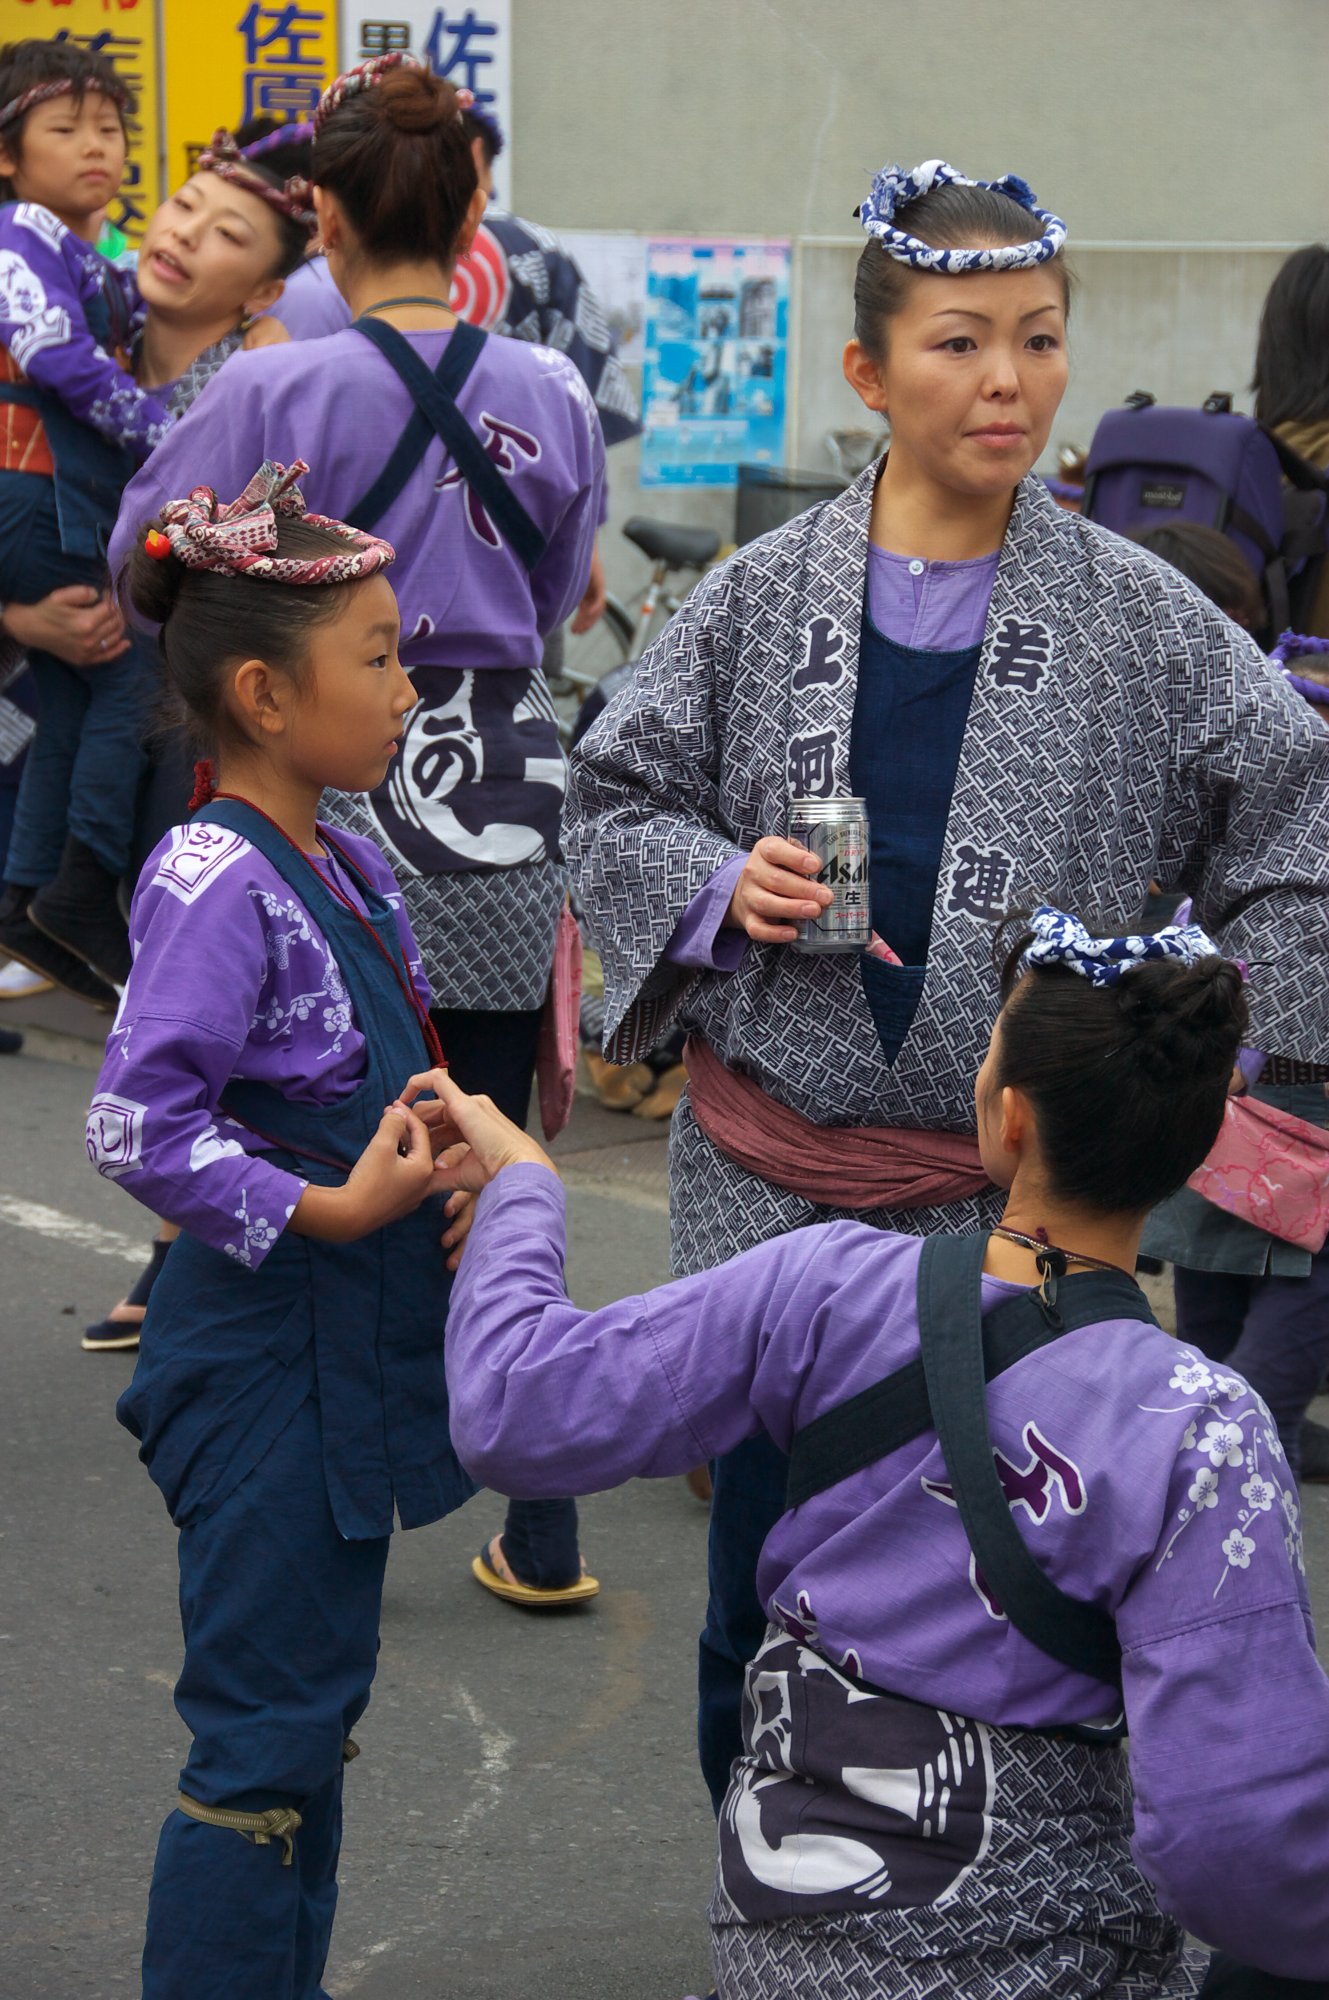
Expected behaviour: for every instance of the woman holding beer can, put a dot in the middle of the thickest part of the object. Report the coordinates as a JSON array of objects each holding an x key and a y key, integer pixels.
[{"x": 1028, "y": 708}]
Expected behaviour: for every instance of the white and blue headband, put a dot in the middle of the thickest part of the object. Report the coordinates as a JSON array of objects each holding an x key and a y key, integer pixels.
[
  {"x": 893, "y": 189},
  {"x": 1062, "y": 940}
]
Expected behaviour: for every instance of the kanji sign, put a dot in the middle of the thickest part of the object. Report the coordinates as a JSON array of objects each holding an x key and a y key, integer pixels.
[
  {"x": 237, "y": 59},
  {"x": 470, "y": 45},
  {"x": 127, "y": 32}
]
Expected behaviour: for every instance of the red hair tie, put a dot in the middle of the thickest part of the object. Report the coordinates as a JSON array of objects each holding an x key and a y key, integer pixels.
[
  {"x": 157, "y": 545},
  {"x": 205, "y": 783}
]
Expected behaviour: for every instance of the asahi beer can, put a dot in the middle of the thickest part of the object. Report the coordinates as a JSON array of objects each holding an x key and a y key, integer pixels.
[{"x": 836, "y": 831}]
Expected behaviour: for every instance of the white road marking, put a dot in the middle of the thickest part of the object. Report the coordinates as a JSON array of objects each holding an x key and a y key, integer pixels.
[
  {"x": 496, "y": 1748},
  {"x": 72, "y": 1229}
]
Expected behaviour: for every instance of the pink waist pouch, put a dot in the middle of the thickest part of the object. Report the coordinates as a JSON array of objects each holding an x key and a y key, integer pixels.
[{"x": 1270, "y": 1169}]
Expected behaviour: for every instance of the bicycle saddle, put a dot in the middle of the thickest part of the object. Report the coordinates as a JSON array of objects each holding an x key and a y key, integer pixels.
[{"x": 666, "y": 542}]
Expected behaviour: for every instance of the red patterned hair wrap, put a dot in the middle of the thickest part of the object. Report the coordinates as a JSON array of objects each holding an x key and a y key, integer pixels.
[
  {"x": 59, "y": 86},
  {"x": 237, "y": 538},
  {"x": 364, "y": 75},
  {"x": 221, "y": 156}
]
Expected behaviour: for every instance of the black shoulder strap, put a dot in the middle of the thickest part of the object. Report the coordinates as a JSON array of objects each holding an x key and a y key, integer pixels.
[
  {"x": 436, "y": 415},
  {"x": 950, "y": 1325},
  {"x": 890, "y": 1413}
]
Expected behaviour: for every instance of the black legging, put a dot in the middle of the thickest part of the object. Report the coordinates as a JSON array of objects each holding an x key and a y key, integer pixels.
[{"x": 495, "y": 1053}]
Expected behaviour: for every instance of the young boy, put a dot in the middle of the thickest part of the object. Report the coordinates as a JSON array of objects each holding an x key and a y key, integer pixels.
[{"x": 74, "y": 427}]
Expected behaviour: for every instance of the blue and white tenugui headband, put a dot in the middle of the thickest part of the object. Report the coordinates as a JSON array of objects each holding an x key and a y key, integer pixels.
[
  {"x": 1063, "y": 940},
  {"x": 893, "y": 189}
]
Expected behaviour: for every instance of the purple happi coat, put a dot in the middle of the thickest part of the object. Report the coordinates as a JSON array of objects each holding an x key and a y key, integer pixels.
[
  {"x": 1143, "y": 1478},
  {"x": 231, "y": 978},
  {"x": 51, "y": 284}
]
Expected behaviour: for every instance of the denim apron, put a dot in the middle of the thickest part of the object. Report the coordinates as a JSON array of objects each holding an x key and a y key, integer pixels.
[{"x": 228, "y": 1355}]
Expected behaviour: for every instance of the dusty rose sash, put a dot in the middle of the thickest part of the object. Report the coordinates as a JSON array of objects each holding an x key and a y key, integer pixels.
[
  {"x": 556, "y": 1051},
  {"x": 1272, "y": 1170},
  {"x": 835, "y": 1166}
]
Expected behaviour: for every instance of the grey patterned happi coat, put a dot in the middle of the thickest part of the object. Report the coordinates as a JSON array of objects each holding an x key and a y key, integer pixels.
[{"x": 1121, "y": 728}]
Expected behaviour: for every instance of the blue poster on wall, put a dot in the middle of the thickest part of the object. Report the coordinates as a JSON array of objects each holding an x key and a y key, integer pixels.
[{"x": 717, "y": 337}]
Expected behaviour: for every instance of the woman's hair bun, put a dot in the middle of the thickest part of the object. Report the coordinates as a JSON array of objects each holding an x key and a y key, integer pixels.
[
  {"x": 1184, "y": 1017},
  {"x": 414, "y": 100},
  {"x": 152, "y": 583}
]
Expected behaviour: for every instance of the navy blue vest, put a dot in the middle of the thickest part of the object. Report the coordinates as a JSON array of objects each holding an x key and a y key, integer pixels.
[
  {"x": 228, "y": 1354},
  {"x": 909, "y": 721}
]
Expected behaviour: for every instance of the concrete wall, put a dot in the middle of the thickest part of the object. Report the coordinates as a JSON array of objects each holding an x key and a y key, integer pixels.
[{"x": 1148, "y": 124}]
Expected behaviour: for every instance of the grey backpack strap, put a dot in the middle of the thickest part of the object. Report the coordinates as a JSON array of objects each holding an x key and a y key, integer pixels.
[{"x": 950, "y": 1325}]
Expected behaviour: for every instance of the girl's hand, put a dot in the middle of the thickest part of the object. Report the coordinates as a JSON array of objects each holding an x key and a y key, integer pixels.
[
  {"x": 460, "y": 1212},
  {"x": 477, "y": 1140},
  {"x": 774, "y": 891},
  {"x": 391, "y": 1178}
]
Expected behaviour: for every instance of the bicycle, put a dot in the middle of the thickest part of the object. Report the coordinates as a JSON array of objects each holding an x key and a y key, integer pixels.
[{"x": 619, "y": 638}]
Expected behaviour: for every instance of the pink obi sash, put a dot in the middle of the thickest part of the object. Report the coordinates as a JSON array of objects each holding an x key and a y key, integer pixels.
[
  {"x": 556, "y": 1051},
  {"x": 1270, "y": 1169},
  {"x": 835, "y": 1166}
]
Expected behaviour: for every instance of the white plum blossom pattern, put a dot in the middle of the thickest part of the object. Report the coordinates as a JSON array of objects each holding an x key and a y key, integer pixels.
[
  {"x": 1223, "y": 1443},
  {"x": 289, "y": 926},
  {"x": 1259, "y": 1493},
  {"x": 258, "y": 1238},
  {"x": 1232, "y": 1431},
  {"x": 1238, "y": 1549}
]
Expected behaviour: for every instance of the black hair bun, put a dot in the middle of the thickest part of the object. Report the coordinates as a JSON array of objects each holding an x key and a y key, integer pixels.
[
  {"x": 1187, "y": 1019},
  {"x": 151, "y": 583}
]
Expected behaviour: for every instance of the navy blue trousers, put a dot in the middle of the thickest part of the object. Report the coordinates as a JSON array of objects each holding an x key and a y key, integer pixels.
[
  {"x": 747, "y": 1499},
  {"x": 281, "y": 1618},
  {"x": 1274, "y": 1331},
  {"x": 494, "y": 1053}
]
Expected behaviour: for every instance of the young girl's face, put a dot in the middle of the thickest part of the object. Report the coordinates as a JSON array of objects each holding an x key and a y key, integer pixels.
[
  {"x": 210, "y": 252},
  {"x": 973, "y": 370},
  {"x": 353, "y": 696},
  {"x": 70, "y": 157}
]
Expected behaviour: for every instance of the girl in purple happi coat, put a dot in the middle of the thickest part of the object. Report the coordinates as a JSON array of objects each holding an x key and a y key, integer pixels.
[
  {"x": 930, "y": 1800},
  {"x": 289, "y": 1398}
]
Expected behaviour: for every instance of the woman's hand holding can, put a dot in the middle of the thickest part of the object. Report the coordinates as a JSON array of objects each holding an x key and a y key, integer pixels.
[{"x": 774, "y": 894}]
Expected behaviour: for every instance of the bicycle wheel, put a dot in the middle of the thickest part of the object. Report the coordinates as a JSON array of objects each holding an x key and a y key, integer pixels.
[{"x": 589, "y": 655}]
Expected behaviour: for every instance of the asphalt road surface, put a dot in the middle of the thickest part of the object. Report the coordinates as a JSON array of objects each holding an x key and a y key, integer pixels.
[{"x": 526, "y": 1821}]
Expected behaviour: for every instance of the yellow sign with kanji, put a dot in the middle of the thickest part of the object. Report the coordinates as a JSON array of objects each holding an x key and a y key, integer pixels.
[
  {"x": 230, "y": 60},
  {"x": 127, "y": 32}
]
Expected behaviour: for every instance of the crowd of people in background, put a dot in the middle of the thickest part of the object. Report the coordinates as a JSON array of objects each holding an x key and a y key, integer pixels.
[{"x": 288, "y": 546}]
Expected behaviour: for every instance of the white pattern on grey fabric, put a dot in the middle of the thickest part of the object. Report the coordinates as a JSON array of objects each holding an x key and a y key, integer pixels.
[
  {"x": 486, "y": 936},
  {"x": 201, "y": 371},
  {"x": 1046, "y": 1910}
]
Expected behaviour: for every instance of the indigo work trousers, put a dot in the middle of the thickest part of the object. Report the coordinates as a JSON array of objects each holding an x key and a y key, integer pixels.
[{"x": 281, "y": 1617}]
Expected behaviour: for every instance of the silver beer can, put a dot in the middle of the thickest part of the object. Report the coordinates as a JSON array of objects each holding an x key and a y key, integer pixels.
[{"x": 836, "y": 831}]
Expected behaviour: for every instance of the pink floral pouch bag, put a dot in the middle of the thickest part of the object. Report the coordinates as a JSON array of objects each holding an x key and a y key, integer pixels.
[{"x": 1270, "y": 1169}]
